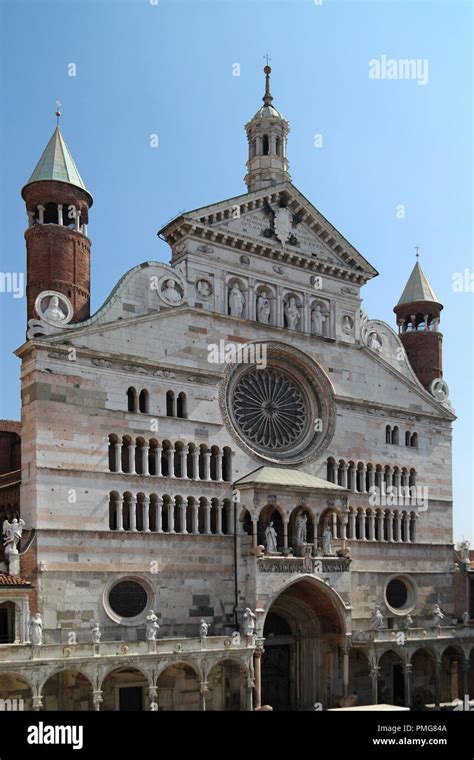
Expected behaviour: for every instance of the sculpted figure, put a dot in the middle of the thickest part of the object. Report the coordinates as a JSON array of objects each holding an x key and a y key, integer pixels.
[
  {"x": 236, "y": 301},
  {"x": 36, "y": 630},
  {"x": 54, "y": 311},
  {"x": 270, "y": 539},
  {"x": 377, "y": 619},
  {"x": 292, "y": 314},
  {"x": 263, "y": 308},
  {"x": 152, "y": 626},
  {"x": 249, "y": 622}
]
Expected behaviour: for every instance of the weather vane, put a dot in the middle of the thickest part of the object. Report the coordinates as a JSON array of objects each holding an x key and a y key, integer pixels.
[{"x": 58, "y": 112}]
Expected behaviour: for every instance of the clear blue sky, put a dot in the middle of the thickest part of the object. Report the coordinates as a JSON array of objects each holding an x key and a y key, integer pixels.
[{"x": 167, "y": 69}]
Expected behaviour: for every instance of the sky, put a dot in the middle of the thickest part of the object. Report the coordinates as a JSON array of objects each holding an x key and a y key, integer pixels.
[{"x": 392, "y": 167}]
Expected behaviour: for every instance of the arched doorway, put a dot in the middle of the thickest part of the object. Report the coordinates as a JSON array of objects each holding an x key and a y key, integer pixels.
[
  {"x": 302, "y": 662},
  {"x": 125, "y": 690},
  {"x": 227, "y": 686},
  {"x": 179, "y": 688},
  {"x": 391, "y": 686},
  {"x": 15, "y": 691},
  {"x": 67, "y": 690}
]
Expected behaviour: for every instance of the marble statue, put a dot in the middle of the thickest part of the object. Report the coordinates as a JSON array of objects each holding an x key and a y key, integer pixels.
[
  {"x": 249, "y": 622},
  {"x": 465, "y": 618},
  {"x": 270, "y": 539},
  {"x": 263, "y": 308},
  {"x": 327, "y": 540},
  {"x": 12, "y": 534},
  {"x": 203, "y": 288},
  {"x": 236, "y": 301},
  {"x": 170, "y": 292},
  {"x": 53, "y": 311},
  {"x": 301, "y": 528},
  {"x": 36, "y": 630},
  {"x": 96, "y": 632},
  {"x": 203, "y": 629},
  {"x": 438, "y": 616},
  {"x": 317, "y": 320},
  {"x": 463, "y": 549},
  {"x": 347, "y": 324},
  {"x": 377, "y": 619},
  {"x": 374, "y": 342},
  {"x": 407, "y": 621},
  {"x": 292, "y": 314},
  {"x": 152, "y": 626}
]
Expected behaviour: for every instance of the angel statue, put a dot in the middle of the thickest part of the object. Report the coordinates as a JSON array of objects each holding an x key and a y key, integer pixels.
[{"x": 11, "y": 534}]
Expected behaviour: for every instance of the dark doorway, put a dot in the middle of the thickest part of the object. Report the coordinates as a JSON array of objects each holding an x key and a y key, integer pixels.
[
  {"x": 398, "y": 686},
  {"x": 7, "y": 623},
  {"x": 276, "y": 663},
  {"x": 130, "y": 698}
]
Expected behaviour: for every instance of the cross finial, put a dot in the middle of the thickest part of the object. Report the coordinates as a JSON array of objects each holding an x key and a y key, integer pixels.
[
  {"x": 267, "y": 58},
  {"x": 267, "y": 98},
  {"x": 417, "y": 249},
  {"x": 58, "y": 112}
]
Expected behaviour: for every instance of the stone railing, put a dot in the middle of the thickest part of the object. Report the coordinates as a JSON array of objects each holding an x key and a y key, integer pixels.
[
  {"x": 314, "y": 565},
  {"x": 11, "y": 653},
  {"x": 412, "y": 634}
]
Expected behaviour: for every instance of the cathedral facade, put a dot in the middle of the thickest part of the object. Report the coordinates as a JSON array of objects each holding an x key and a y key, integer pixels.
[{"x": 235, "y": 487}]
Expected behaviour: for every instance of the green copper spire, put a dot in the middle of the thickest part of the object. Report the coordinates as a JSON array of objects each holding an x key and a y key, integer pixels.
[{"x": 57, "y": 164}]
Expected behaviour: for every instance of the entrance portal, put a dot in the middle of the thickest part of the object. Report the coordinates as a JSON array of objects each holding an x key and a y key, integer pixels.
[{"x": 302, "y": 663}]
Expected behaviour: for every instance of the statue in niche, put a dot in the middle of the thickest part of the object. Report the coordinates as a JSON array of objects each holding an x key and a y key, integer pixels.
[
  {"x": 12, "y": 535},
  {"x": 152, "y": 626},
  {"x": 54, "y": 312},
  {"x": 407, "y": 621},
  {"x": 236, "y": 301},
  {"x": 170, "y": 292},
  {"x": 377, "y": 619},
  {"x": 263, "y": 308},
  {"x": 36, "y": 630},
  {"x": 327, "y": 540},
  {"x": 204, "y": 288},
  {"x": 374, "y": 342},
  {"x": 270, "y": 539},
  {"x": 438, "y": 616},
  {"x": 203, "y": 629},
  {"x": 292, "y": 314},
  {"x": 301, "y": 529},
  {"x": 465, "y": 618},
  {"x": 317, "y": 320},
  {"x": 347, "y": 324},
  {"x": 96, "y": 633},
  {"x": 249, "y": 622}
]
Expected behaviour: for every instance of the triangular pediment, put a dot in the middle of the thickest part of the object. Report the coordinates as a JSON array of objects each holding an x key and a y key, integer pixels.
[{"x": 280, "y": 217}]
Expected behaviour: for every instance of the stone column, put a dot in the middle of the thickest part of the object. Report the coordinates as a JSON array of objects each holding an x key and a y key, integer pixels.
[
  {"x": 407, "y": 667},
  {"x": 438, "y": 679},
  {"x": 254, "y": 533},
  {"x": 218, "y": 458},
  {"x": 145, "y": 467},
  {"x": 195, "y": 518},
  {"x": 344, "y": 468},
  {"x": 78, "y": 220},
  {"x": 345, "y": 520},
  {"x": 203, "y": 689},
  {"x": 389, "y": 518},
  {"x": 406, "y": 526},
  {"x": 306, "y": 321},
  {"x": 183, "y": 462},
  {"x": 60, "y": 214},
  {"x": 41, "y": 214},
  {"x": 37, "y": 702},
  {"x": 362, "y": 479},
  {"x": 207, "y": 519},
  {"x": 170, "y": 455},
  {"x": 345, "y": 670},
  {"x": 195, "y": 456},
  {"x": 414, "y": 518},
  {"x": 97, "y": 699},
  {"x": 207, "y": 465},
  {"x": 372, "y": 526},
  {"x": 379, "y": 519},
  {"x": 352, "y": 524},
  {"x": 334, "y": 525},
  {"x": 146, "y": 516},
  {"x": 465, "y": 675},
  {"x": 118, "y": 456},
  {"x": 133, "y": 513},
  {"x": 397, "y": 482},
  {"x": 388, "y": 478},
  {"x": 157, "y": 453},
  {"x": 371, "y": 478},
  {"x": 398, "y": 520},
  {"x": 362, "y": 525},
  {"x": 159, "y": 516},
  {"x": 182, "y": 517},
  {"x": 219, "y": 508},
  {"x": 31, "y": 218},
  {"x": 374, "y": 675},
  {"x": 230, "y": 519},
  {"x": 353, "y": 479},
  {"x": 131, "y": 459},
  {"x": 258, "y": 677},
  {"x": 285, "y": 533},
  {"x": 153, "y": 698},
  {"x": 119, "y": 512},
  {"x": 171, "y": 516}
]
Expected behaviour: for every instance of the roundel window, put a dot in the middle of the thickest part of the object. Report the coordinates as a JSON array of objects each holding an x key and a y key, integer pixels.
[
  {"x": 400, "y": 594},
  {"x": 281, "y": 410},
  {"x": 128, "y": 599}
]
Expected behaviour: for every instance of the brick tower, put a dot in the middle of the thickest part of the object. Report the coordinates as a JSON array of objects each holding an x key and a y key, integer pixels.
[
  {"x": 418, "y": 314},
  {"x": 58, "y": 249}
]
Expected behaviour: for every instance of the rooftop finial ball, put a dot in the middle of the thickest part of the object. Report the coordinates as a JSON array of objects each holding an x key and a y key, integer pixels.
[{"x": 267, "y": 69}]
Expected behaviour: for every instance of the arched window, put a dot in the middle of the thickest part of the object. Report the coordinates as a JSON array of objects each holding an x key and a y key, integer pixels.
[
  {"x": 143, "y": 402},
  {"x": 388, "y": 434},
  {"x": 414, "y": 441},
  {"x": 50, "y": 213},
  {"x": 181, "y": 405},
  {"x": 132, "y": 400},
  {"x": 395, "y": 435},
  {"x": 266, "y": 145},
  {"x": 170, "y": 404}
]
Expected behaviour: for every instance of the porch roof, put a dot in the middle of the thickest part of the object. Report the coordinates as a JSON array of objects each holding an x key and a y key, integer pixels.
[{"x": 279, "y": 476}]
